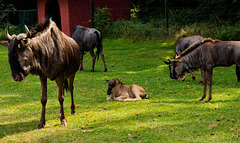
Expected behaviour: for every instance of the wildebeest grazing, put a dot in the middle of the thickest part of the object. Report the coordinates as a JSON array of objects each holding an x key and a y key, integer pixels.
[
  {"x": 183, "y": 43},
  {"x": 206, "y": 54},
  {"x": 122, "y": 92},
  {"x": 49, "y": 53},
  {"x": 88, "y": 39}
]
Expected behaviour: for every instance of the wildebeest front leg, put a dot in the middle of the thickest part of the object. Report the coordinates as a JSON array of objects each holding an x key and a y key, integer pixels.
[
  {"x": 43, "y": 101},
  {"x": 93, "y": 58},
  {"x": 209, "y": 81},
  {"x": 192, "y": 75},
  {"x": 202, "y": 74},
  {"x": 59, "y": 82},
  {"x": 71, "y": 80},
  {"x": 102, "y": 55},
  {"x": 204, "y": 86}
]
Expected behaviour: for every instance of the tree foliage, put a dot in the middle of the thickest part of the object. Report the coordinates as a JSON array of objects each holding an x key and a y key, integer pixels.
[
  {"x": 5, "y": 10},
  {"x": 187, "y": 11}
]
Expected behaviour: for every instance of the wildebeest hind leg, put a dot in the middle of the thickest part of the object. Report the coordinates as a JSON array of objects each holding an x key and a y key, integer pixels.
[
  {"x": 59, "y": 82},
  {"x": 71, "y": 80},
  {"x": 238, "y": 72},
  {"x": 81, "y": 61},
  {"x": 102, "y": 55},
  {"x": 93, "y": 58},
  {"x": 43, "y": 101}
]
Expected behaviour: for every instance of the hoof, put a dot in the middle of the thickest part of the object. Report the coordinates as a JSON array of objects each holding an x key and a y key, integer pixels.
[
  {"x": 39, "y": 126},
  {"x": 105, "y": 70},
  {"x": 64, "y": 122},
  {"x": 73, "y": 113}
]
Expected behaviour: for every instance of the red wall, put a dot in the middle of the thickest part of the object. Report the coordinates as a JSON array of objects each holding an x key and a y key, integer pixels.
[{"x": 77, "y": 12}]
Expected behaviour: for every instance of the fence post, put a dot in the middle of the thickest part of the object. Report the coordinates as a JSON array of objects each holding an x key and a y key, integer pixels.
[
  {"x": 166, "y": 17},
  {"x": 92, "y": 13}
]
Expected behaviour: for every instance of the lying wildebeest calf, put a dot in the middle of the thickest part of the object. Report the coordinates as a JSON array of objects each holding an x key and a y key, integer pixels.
[
  {"x": 206, "y": 55},
  {"x": 49, "y": 53},
  {"x": 183, "y": 43},
  {"x": 88, "y": 39},
  {"x": 122, "y": 92}
]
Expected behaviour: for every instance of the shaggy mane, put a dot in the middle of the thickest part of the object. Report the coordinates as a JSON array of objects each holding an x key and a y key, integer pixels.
[
  {"x": 39, "y": 28},
  {"x": 195, "y": 46}
]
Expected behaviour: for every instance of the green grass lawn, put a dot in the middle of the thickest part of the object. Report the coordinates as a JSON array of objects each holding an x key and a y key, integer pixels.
[{"x": 171, "y": 114}]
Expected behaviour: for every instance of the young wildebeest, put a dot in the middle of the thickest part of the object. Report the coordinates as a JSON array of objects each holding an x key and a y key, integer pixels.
[
  {"x": 49, "y": 53},
  {"x": 122, "y": 92},
  {"x": 88, "y": 39},
  {"x": 206, "y": 55},
  {"x": 183, "y": 43}
]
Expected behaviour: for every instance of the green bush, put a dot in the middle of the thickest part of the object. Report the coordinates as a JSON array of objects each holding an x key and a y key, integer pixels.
[{"x": 12, "y": 29}]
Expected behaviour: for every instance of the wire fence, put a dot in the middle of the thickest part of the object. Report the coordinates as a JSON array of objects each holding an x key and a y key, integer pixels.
[{"x": 19, "y": 18}]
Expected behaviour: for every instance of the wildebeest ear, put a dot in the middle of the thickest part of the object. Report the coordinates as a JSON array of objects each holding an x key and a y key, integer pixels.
[
  {"x": 175, "y": 60},
  {"x": 4, "y": 43},
  {"x": 168, "y": 63},
  {"x": 107, "y": 80}
]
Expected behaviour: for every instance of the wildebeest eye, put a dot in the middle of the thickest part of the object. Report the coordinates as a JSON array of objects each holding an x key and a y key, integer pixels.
[
  {"x": 25, "y": 41},
  {"x": 19, "y": 46}
]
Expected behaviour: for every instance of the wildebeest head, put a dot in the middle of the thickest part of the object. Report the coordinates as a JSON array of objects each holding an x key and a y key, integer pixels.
[
  {"x": 20, "y": 55},
  {"x": 112, "y": 84},
  {"x": 177, "y": 68}
]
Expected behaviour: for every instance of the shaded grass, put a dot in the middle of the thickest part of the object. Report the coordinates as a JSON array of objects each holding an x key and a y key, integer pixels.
[{"x": 172, "y": 114}]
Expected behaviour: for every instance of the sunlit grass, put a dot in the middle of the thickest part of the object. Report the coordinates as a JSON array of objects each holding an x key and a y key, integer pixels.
[{"x": 171, "y": 114}]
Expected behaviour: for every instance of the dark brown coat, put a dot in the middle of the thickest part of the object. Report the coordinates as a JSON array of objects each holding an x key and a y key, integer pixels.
[
  {"x": 88, "y": 39},
  {"x": 49, "y": 53},
  {"x": 206, "y": 54}
]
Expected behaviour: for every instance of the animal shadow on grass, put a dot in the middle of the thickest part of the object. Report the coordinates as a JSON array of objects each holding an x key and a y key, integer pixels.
[
  {"x": 197, "y": 101},
  {"x": 14, "y": 128}
]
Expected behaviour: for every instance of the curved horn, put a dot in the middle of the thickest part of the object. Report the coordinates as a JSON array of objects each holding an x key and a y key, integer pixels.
[
  {"x": 27, "y": 30},
  {"x": 7, "y": 34}
]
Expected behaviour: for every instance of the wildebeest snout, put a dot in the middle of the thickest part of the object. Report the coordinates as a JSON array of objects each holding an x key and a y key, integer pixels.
[
  {"x": 109, "y": 91},
  {"x": 18, "y": 77}
]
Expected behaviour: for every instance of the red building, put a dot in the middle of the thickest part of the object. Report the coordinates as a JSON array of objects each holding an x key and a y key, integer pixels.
[{"x": 69, "y": 13}]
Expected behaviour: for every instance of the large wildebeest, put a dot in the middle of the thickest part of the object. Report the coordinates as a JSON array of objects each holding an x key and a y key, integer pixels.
[
  {"x": 206, "y": 55},
  {"x": 183, "y": 43},
  {"x": 88, "y": 39},
  {"x": 49, "y": 53}
]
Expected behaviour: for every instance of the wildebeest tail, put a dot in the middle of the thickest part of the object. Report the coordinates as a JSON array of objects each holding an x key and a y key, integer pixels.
[
  {"x": 66, "y": 85},
  {"x": 99, "y": 45}
]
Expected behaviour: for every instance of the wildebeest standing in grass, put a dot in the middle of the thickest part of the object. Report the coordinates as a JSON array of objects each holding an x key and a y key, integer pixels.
[
  {"x": 183, "y": 43},
  {"x": 49, "y": 53},
  {"x": 206, "y": 54},
  {"x": 88, "y": 39}
]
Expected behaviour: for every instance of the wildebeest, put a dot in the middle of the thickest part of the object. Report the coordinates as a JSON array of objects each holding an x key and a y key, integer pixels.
[
  {"x": 183, "y": 43},
  {"x": 122, "y": 92},
  {"x": 88, "y": 39},
  {"x": 206, "y": 54},
  {"x": 49, "y": 53}
]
